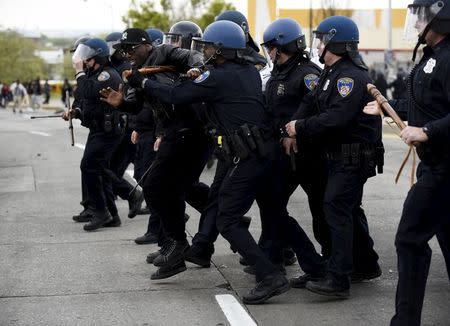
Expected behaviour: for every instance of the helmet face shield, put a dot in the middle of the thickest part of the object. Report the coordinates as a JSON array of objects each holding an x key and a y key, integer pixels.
[
  {"x": 208, "y": 49},
  {"x": 318, "y": 45},
  {"x": 111, "y": 48},
  {"x": 418, "y": 18},
  {"x": 173, "y": 39},
  {"x": 82, "y": 53}
]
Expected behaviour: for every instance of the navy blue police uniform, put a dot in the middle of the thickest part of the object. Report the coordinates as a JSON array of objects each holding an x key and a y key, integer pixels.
[
  {"x": 426, "y": 209},
  {"x": 103, "y": 137},
  {"x": 349, "y": 138}
]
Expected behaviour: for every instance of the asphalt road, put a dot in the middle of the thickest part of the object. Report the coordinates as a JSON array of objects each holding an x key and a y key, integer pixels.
[{"x": 54, "y": 273}]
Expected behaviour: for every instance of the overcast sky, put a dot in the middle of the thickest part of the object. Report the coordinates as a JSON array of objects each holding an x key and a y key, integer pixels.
[{"x": 75, "y": 17}]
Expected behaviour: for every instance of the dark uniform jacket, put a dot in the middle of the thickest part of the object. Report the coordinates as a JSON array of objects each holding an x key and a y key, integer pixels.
[
  {"x": 88, "y": 87},
  {"x": 429, "y": 99},
  {"x": 337, "y": 102},
  {"x": 232, "y": 99},
  {"x": 287, "y": 86}
]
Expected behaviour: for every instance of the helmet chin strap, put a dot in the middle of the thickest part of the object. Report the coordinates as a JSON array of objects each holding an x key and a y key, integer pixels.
[
  {"x": 277, "y": 56},
  {"x": 322, "y": 56},
  {"x": 420, "y": 41}
]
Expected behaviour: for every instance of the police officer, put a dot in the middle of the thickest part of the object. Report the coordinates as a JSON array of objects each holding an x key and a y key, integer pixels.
[
  {"x": 202, "y": 247},
  {"x": 173, "y": 167},
  {"x": 292, "y": 77},
  {"x": 426, "y": 209},
  {"x": 93, "y": 73},
  {"x": 349, "y": 137},
  {"x": 235, "y": 105}
]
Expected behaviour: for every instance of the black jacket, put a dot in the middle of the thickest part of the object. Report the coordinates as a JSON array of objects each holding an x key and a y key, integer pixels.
[
  {"x": 337, "y": 104},
  {"x": 287, "y": 86},
  {"x": 428, "y": 102},
  {"x": 87, "y": 93}
]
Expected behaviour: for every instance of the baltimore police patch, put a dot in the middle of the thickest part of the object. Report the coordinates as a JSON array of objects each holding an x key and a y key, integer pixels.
[
  {"x": 345, "y": 86},
  {"x": 104, "y": 75},
  {"x": 202, "y": 77},
  {"x": 311, "y": 81}
]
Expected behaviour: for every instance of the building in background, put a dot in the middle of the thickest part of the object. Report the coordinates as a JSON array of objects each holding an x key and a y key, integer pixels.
[{"x": 373, "y": 21}]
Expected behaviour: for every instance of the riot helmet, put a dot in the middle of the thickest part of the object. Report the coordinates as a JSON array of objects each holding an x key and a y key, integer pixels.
[
  {"x": 225, "y": 37},
  {"x": 156, "y": 35},
  {"x": 78, "y": 41},
  {"x": 286, "y": 35},
  {"x": 111, "y": 40},
  {"x": 92, "y": 48},
  {"x": 238, "y": 18},
  {"x": 424, "y": 15},
  {"x": 181, "y": 34},
  {"x": 340, "y": 36}
]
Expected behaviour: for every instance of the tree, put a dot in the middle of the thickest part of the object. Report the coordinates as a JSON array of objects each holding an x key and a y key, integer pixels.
[
  {"x": 147, "y": 14},
  {"x": 18, "y": 59}
]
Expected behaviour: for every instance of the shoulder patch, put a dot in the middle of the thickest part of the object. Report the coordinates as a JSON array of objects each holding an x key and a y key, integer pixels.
[
  {"x": 345, "y": 86},
  {"x": 104, "y": 75},
  {"x": 311, "y": 81},
  {"x": 202, "y": 77}
]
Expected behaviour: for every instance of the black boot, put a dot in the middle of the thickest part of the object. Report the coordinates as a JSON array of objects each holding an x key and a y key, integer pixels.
[
  {"x": 300, "y": 282},
  {"x": 85, "y": 216},
  {"x": 147, "y": 238},
  {"x": 151, "y": 256},
  {"x": 168, "y": 270},
  {"x": 114, "y": 223},
  {"x": 271, "y": 285},
  {"x": 98, "y": 221},
  {"x": 135, "y": 203},
  {"x": 172, "y": 251},
  {"x": 199, "y": 255},
  {"x": 330, "y": 287}
]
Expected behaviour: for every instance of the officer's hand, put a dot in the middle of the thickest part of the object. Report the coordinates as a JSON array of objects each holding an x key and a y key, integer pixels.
[
  {"x": 72, "y": 113},
  {"x": 135, "y": 79},
  {"x": 112, "y": 97},
  {"x": 78, "y": 66},
  {"x": 411, "y": 135},
  {"x": 290, "y": 128},
  {"x": 193, "y": 73},
  {"x": 372, "y": 108},
  {"x": 134, "y": 137},
  {"x": 157, "y": 144},
  {"x": 290, "y": 145}
]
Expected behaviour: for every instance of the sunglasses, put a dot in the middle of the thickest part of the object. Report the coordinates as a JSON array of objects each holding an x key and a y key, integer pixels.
[{"x": 130, "y": 49}]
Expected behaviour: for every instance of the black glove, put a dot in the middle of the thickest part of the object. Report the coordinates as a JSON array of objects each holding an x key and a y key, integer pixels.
[{"x": 135, "y": 79}]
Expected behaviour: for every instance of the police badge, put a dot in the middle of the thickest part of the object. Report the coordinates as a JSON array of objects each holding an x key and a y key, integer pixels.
[
  {"x": 104, "y": 75},
  {"x": 428, "y": 69},
  {"x": 311, "y": 81},
  {"x": 202, "y": 77},
  {"x": 345, "y": 86}
]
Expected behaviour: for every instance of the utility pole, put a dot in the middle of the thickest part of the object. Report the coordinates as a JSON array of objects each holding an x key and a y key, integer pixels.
[{"x": 310, "y": 23}]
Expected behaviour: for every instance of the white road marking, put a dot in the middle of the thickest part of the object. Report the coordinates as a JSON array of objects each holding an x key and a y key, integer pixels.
[
  {"x": 81, "y": 146},
  {"x": 40, "y": 133},
  {"x": 233, "y": 310}
]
